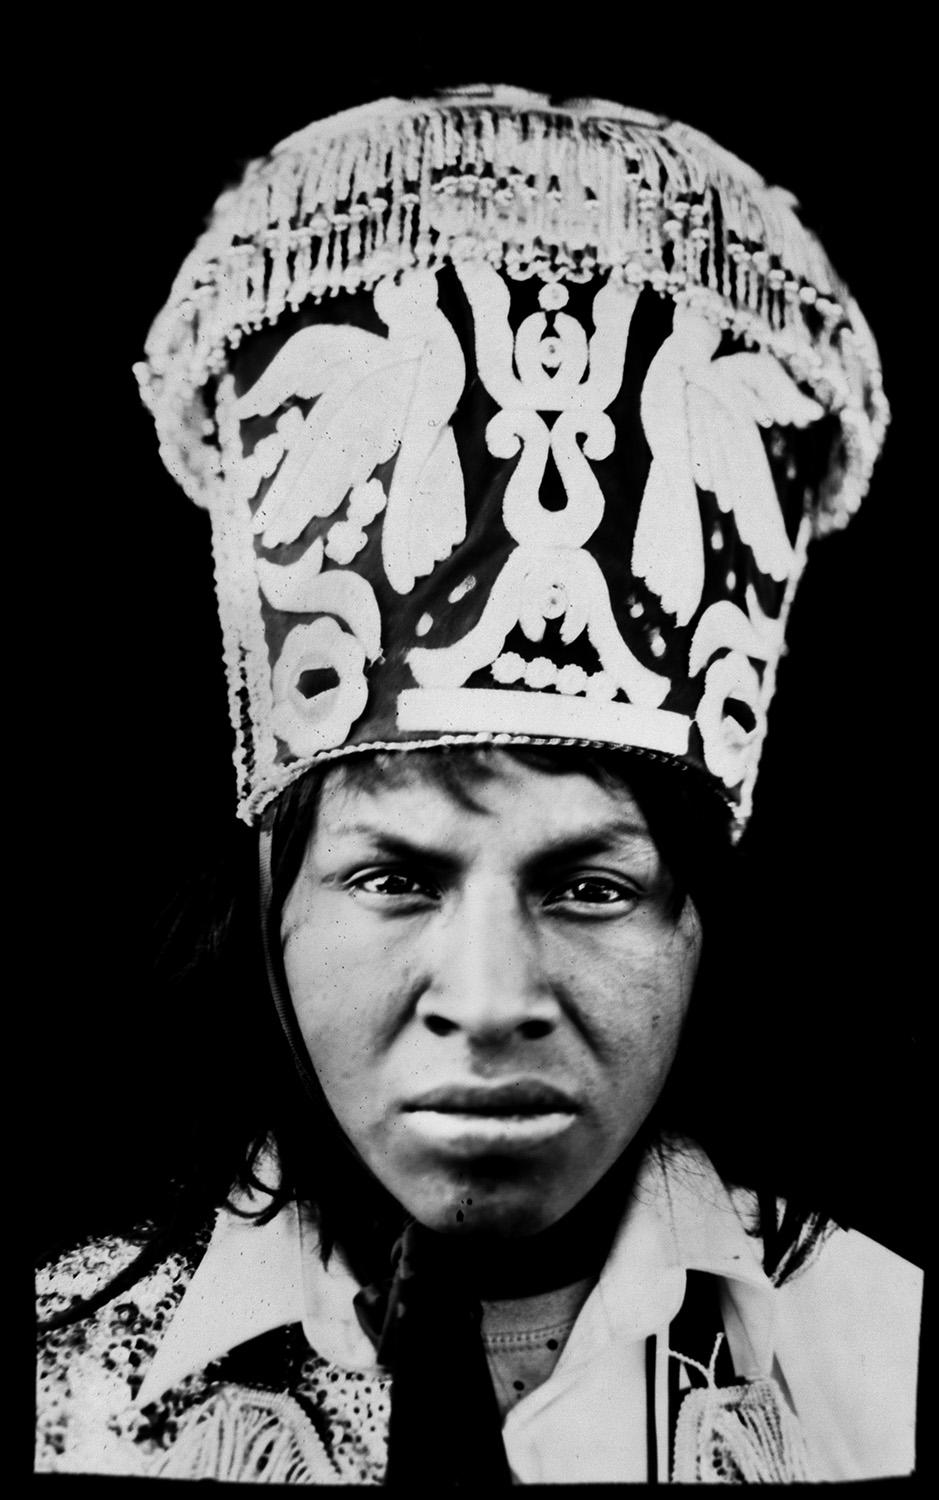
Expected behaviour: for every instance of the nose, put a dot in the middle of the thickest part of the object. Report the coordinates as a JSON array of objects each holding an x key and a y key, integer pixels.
[{"x": 485, "y": 973}]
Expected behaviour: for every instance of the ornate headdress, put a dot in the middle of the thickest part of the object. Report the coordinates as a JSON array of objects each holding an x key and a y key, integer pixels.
[{"x": 514, "y": 422}]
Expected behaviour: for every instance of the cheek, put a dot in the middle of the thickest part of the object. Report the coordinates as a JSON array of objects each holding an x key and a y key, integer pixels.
[
  {"x": 330, "y": 1008},
  {"x": 638, "y": 1010},
  {"x": 347, "y": 999}
]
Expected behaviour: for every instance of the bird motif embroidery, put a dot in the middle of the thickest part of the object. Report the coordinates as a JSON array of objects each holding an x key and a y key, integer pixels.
[
  {"x": 375, "y": 397},
  {"x": 701, "y": 417}
]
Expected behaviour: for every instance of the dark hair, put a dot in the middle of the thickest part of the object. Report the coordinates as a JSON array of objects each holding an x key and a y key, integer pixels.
[{"x": 247, "y": 1091}]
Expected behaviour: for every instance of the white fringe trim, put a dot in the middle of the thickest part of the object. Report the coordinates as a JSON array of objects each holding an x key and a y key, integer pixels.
[{"x": 530, "y": 188}]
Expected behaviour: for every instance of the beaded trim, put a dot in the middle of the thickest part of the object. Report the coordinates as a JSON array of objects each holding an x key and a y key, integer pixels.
[{"x": 264, "y": 796}]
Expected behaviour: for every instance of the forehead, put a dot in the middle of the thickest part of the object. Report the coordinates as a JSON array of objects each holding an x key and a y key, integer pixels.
[{"x": 460, "y": 795}]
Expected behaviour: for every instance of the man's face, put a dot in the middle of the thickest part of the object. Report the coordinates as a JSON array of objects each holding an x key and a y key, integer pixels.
[{"x": 491, "y": 998}]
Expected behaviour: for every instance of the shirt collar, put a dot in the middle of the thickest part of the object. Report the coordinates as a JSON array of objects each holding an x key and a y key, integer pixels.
[
  {"x": 255, "y": 1278},
  {"x": 680, "y": 1217}
]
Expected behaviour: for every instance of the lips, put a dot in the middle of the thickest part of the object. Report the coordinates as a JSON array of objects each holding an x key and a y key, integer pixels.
[{"x": 509, "y": 1098}]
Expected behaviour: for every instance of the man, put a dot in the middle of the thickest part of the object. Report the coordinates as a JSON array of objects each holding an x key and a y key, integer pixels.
[{"x": 514, "y": 423}]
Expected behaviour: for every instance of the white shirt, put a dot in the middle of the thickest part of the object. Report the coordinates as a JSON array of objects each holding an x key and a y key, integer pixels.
[{"x": 840, "y": 1337}]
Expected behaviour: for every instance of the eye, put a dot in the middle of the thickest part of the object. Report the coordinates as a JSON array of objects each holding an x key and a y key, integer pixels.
[
  {"x": 391, "y": 884},
  {"x": 594, "y": 892}
]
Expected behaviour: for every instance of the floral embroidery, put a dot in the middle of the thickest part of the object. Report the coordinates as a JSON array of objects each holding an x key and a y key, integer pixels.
[
  {"x": 375, "y": 398},
  {"x": 701, "y": 417}
]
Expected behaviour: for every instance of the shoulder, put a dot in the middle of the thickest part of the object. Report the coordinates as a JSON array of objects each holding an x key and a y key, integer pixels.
[
  {"x": 859, "y": 1290},
  {"x": 90, "y": 1368},
  {"x": 848, "y": 1328}
]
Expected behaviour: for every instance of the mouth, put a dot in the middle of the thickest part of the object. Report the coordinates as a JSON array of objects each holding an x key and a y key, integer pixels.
[
  {"x": 511, "y": 1098},
  {"x": 516, "y": 1115}
]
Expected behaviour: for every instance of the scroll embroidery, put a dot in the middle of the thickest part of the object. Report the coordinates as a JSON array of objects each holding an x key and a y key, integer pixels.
[
  {"x": 731, "y": 712},
  {"x": 549, "y": 575}
]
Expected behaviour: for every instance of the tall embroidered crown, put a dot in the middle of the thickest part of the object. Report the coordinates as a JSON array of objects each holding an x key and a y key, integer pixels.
[{"x": 514, "y": 422}]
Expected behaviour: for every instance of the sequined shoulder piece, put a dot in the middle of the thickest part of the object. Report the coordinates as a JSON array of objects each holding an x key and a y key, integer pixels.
[
  {"x": 81, "y": 1272},
  {"x": 90, "y": 1369}
]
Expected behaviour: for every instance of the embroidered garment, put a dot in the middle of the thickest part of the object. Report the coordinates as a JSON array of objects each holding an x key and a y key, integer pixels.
[{"x": 247, "y": 1361}]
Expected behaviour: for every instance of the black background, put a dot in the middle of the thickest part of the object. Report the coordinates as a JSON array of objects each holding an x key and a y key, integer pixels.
[{"x": 136, "y": 787}]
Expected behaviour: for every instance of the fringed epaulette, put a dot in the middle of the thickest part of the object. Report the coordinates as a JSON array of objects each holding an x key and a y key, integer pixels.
[
  {"x": 242, "y": 1435},
  {"x": 271, "y": 1411}
]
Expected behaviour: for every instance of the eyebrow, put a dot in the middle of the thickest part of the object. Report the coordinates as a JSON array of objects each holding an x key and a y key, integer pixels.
[{"x": 581, "y": 844}]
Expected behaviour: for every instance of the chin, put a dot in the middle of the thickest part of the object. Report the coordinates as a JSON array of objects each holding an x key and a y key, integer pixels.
[{"x": 484, "y": 1203}]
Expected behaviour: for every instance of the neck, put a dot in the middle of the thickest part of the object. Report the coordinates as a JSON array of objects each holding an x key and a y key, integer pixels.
[{"x": 572, "y": 1250}]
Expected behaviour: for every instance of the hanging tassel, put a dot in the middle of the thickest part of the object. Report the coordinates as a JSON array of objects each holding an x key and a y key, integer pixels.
[{"x": 737, "y": 1434}]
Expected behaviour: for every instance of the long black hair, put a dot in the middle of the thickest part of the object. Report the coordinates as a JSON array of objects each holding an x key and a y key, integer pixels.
[{"x": 728, "y": 1088}]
